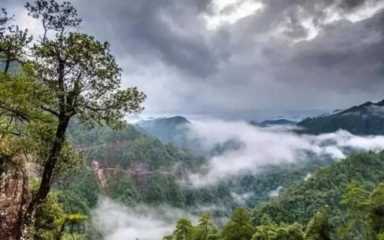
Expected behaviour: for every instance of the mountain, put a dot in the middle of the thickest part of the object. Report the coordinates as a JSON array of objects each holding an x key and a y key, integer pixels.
[
  {"x": 127, "y": 147},
  {"x": 342, "y": 201},
  {"x": 277, "y": 122},
  {"x": 364, "y": 119},
  {"x": 133, "y": 167},
  {"x": 168, "y": 130},
  {"x": 324, "y": 188}
]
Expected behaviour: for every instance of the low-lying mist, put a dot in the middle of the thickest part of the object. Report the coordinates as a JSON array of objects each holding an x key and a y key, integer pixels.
[
  {"x": 258, "y": 147},
  {"x": 118, "y": 222},
  {"x": 254, "y": 148}
]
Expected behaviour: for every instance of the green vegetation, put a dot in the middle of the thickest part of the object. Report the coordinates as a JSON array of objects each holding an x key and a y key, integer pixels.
[
  {"x": 127, "y": 147},
  {"x": 300, "y": 202},
  {"x": 168, "y": 130},
  {"x": 342, "y": 201},
  {"x": 66, "y": 74},
  {"x": 163, "y": 165},
  {"x": 365, "y": 119}
]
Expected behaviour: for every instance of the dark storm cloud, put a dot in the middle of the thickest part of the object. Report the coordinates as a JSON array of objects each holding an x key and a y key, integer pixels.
[
  {"x": 160, "y": 28},
  {"x": 351, "y": 4},
  {"x": 291, "y": 54},
  {"x": 353, "y": 52}
]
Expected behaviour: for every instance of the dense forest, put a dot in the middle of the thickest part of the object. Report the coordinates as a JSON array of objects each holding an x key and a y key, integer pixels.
[
  {"x": 138, "y": 168},
  {"x": 342, "y": 201},
  {"x": 364, "y": 119}
]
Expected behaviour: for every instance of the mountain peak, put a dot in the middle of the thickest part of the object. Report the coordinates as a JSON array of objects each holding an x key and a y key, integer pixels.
[
  {"x": 381, "y": 103},
  {"x": 175, "y": 119},
  {"x": 363, "y": 119}
]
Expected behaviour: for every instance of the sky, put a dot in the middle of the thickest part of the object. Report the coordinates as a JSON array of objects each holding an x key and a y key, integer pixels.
[{"x": 241, "y": 58}]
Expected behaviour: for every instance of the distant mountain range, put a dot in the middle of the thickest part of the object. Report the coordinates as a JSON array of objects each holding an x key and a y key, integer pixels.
[
  {"x": 276, "y": 122},
  {"x": 364, "y": 119},
  {"x": 145, "y": 164}
]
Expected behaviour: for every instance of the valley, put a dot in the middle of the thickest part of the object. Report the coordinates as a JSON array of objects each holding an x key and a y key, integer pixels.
[{"x": 155, "y": 162}]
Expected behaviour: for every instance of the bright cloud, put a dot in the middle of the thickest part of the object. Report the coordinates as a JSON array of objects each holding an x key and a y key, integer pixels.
[
  {"x": 230, "y": 12},
  {"x": 265, "y": 146},
  {"x": 118, "y": 222}
]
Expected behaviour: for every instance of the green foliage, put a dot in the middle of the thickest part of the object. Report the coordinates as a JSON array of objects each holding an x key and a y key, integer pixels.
[
  {"x": 279, "y": 232},
  {"x": 380, "y": 236},
  {"x": 239, "y": 227},
  {"x": 53, "y": 222},
  {"x": 67, "y": 74},
  {"x": 184, "y": 230},
  {"x": 13, "y": 44},
  {"x": 376, "y": 214},
  {"x": 128, "y": 147},
  {"x": 318, "y": 227},
  {"x": 80, "y": 192},
  {"x": 123, "y": 189},
  {"x": 123, "y": 152},
  {"x": 361, "y": 120},
  {"x": 301, "y": 201},
  {"x": 365, "y": 218},
  {"x": 342, "y": 201},
  {"x": 345, "y": 188},
  {"x": 80, "y": 71},
  {"x": 50, "y": 217},
  {"x": 205, "y": 229}
]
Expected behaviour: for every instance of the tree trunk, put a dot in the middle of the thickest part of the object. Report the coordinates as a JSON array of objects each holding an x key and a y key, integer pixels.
[
  {"x": 48, "y": 172},
  {"x": 7, "y": 64}
]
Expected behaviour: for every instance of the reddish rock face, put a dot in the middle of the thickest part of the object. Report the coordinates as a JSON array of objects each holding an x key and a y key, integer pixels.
[{"x": 14, "y": 196}]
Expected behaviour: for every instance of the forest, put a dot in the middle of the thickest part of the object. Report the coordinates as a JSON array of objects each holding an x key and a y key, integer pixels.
[{"x": 342, "y": 201}]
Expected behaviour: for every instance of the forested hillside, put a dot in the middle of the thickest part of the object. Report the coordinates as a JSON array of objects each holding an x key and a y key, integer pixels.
[
  {"x": 168, "y": 130},
  {"x": 364, "y": 119},
  {"x": 342, "y": 201},
  {"x": 139, "y": 168}
]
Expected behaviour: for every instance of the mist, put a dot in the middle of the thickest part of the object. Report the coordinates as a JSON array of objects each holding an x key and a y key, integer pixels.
[
  {"x": 258, "y": 147},
  {"x": 118, "y": 222},
  {"x": 255, "y": 148}
]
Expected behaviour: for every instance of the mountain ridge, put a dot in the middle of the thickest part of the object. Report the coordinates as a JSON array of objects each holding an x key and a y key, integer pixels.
[{"x": 363, "y": 119}]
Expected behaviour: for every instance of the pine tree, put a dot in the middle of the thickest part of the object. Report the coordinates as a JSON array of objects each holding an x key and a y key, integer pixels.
[
  {"x": 318, "y": 227},
  {"x": 78, "y": 74},
  {"x": 239, "y": 226},
  {"x": 184, "y": 230},
  {"x": 205, "y": 229}
]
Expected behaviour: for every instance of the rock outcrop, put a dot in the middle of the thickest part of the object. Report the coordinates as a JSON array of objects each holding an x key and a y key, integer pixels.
[{"x": 14, "y": 196}]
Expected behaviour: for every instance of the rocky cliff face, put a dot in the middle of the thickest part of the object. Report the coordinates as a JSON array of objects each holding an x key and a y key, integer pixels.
[{"x": 14, "y": 196}]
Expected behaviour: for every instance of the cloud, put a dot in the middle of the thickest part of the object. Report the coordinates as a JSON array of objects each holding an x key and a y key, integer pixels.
[
  {"x": 308, "y": 176},
  {"x": 118, "y": 222},
  {"x": 242, "y": 198},
  {"x": 230, "y": 12},
  {"x": 239, "y": 57},
  {"x": 276, "y": 192},
  {"x": 260, "y": 147}
]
